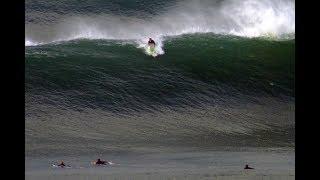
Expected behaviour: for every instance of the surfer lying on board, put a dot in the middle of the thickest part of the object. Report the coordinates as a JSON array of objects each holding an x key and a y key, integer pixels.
[
  {"x": 61, "y": 164},
  {"x": 151, "y": 43},
  {"x": 247, "y": 167},
  {"x": 99, "y": 162}
]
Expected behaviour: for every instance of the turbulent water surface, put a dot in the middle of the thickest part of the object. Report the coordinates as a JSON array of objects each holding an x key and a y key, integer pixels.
[{"x": 224, "y": 76}]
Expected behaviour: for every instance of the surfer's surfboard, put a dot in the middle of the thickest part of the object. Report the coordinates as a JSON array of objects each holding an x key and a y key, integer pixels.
[
  {"x": 107, "y": 163},
  {"x": 151, "y": 50},
  {"x": 57, "y": 166}
]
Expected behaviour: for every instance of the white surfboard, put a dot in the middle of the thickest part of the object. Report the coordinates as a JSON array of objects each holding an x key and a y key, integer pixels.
[{"x": 151, "y": 50}]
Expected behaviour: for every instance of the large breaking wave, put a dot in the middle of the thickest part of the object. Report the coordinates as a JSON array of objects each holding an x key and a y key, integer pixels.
[
  {"x": 249, "y": 18},
  {"x": 226, "y": 78}
]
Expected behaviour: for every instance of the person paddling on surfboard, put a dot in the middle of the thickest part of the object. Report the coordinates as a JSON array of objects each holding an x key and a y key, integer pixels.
[
  {"x": 99, "y": 162},
  {"x": 247, "y": 167},
  {"x": 61, "y": 164}
]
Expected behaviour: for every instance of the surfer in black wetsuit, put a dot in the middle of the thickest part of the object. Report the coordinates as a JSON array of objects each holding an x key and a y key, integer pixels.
[
  {"x": 99, "y": 162},
  {"x": 61, "y": 164},
  {"x": 151, "y": 42},
  {"x": 247, "y": 167}
]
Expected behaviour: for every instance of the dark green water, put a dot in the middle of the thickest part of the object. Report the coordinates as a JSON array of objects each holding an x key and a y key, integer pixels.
[{"x": 221, "y": 80}]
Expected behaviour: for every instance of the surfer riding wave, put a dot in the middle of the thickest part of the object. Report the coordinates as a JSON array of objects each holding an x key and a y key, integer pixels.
[
  {"x": 151, "y": 48},
  {"x": 151, "y": 43}
]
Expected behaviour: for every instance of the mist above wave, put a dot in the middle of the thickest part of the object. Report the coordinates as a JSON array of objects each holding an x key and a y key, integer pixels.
[{"x": 248, "y": 18}]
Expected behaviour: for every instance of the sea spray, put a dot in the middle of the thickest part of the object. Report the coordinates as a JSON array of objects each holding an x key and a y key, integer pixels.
[{"x": 249, "y": 18}]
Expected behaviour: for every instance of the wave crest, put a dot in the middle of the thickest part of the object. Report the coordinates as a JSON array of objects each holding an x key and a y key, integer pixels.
[{"x": 248, "y": 18}]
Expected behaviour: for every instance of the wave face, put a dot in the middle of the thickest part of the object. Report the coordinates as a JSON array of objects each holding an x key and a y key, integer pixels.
[{"x": 90, "y": 87}]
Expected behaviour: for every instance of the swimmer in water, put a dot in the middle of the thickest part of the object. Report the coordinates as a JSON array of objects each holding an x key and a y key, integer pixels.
[
  {"x": 247, "y": 167},
  {"x": 99, "y": 162}
]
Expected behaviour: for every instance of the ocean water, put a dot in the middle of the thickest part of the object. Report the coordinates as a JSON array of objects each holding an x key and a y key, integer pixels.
[
  {"x": 221, "y": 165},
  {"x": 223, "y": 78}
]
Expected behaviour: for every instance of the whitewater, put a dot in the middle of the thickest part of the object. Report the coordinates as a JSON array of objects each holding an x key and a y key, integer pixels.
[{"x": 248, "y": 18}]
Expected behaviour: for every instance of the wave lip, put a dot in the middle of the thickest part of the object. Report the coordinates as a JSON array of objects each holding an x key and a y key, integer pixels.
[
  {"x": 29, "y": 43},
  {"x": 247, "y": 18}
]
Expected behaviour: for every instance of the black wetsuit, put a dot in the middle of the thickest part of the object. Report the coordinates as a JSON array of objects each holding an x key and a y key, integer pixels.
[
  {"x": 101, "y": 162},
  {"x": 62, "y": 165},
  {"x": 151, "y": 42},
  {"x": 247, "y": 167}
]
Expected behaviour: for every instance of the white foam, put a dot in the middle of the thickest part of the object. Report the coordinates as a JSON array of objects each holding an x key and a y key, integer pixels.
[
  {"x": 253, "y": 18},
  {"x": 29, "y": 43}
]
